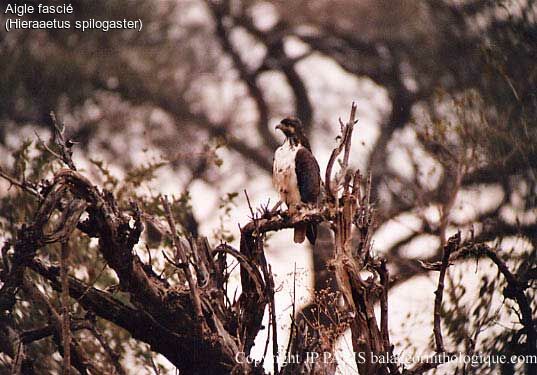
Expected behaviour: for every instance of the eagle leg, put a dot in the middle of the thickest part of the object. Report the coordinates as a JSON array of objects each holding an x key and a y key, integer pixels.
[{"x": 292, "y": 210}]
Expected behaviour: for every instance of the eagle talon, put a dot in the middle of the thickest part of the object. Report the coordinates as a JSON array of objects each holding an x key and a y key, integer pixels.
[{"x": 285, "y": 214}]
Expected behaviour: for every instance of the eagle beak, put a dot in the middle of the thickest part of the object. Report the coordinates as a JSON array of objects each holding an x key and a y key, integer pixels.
[{"x": 279, "y": 126}]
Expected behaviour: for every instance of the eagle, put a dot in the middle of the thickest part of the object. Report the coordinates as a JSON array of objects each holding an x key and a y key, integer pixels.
[{"x": 296, "y": 175}]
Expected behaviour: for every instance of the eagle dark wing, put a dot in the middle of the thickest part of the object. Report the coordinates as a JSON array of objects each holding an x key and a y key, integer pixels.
[{"x": 307, "y": 175}]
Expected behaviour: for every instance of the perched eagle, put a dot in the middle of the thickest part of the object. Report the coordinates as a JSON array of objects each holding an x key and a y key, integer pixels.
[{"x": 295, "y": 174}]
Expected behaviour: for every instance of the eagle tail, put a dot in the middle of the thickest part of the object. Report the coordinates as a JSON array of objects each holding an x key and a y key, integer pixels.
[
  {"x": 300, "y": 233},
  {"x": 305, "y": 230},
  {"x": 311, "y": 233}
]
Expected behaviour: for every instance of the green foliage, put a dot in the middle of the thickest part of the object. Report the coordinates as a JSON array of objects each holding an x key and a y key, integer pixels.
[
  {"x": 226, "y": 205},
  {"x": 109, "y": 180}
]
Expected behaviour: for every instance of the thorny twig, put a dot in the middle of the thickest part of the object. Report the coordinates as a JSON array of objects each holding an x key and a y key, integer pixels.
[
  {"x": 183, "y": 257},
  {"x": 24, "y": 185}
]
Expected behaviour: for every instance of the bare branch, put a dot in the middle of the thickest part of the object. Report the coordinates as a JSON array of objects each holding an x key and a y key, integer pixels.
[
  {"x": 64, "y": 145},
  {"x": 450, "y": 247},
  {"x": 113, "y": 355},
  {"x": 80, "y": 358},
  {"x": 344, "y": 143},
  {"x": 184, "y": 259},
  {"x": 24, "y": 185}
]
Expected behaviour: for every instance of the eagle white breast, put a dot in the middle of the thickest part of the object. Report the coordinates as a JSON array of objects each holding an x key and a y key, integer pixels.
[{"x": 284, "y": 174}]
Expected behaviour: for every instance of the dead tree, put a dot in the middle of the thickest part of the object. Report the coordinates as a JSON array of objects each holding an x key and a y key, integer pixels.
[
  {"x": 193, "y": 322},
  {"x": 345, "y": 207}
]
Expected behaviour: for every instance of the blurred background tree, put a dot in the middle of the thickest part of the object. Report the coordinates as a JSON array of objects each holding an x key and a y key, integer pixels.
[{"x": 446, "y": 90}]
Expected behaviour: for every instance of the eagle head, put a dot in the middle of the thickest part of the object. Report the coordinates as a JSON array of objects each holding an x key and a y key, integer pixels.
[{"x": 290, "y": 126}]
